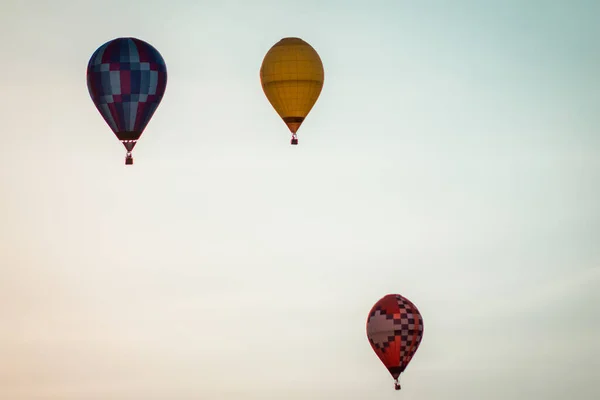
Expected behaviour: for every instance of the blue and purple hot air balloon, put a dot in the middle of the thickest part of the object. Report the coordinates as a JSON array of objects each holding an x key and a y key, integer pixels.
[{"x": 127, "y": 78}]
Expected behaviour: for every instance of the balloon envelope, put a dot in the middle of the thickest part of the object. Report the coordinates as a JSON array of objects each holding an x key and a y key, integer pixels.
[
  {"x": 395, "y": 330},
  {"x": 126, "y": 79},
  {"x": 292, "y": 78}
]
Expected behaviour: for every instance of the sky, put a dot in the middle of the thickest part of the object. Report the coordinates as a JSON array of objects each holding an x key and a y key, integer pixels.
[{"x": 452, "y": 157}]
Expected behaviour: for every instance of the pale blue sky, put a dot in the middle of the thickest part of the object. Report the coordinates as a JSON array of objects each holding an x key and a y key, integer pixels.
[{"x": 452, "y": 157}]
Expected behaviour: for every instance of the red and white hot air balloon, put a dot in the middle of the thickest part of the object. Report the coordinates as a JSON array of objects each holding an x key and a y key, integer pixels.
[{"x": 395, "y": 330}]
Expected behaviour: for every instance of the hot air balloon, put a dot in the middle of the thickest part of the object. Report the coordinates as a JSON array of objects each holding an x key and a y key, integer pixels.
[
  {"x": 126, "y": 78},
  {"x": 395, "y": 330},
  {"x": 292, "y": 77}
]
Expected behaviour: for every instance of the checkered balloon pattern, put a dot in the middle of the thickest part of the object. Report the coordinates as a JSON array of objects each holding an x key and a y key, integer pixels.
[
  {"x": 395, "y": 330},
  {"x": 127, "y": 78}
]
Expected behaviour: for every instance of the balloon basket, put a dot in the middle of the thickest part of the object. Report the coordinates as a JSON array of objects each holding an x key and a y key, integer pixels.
[
  {"x": 294, "y": 141},
  {"x": 128, "y": 160}
]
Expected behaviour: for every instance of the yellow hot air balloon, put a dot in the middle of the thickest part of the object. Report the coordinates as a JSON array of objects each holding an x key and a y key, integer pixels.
[{"x": 292, "y": 77}]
